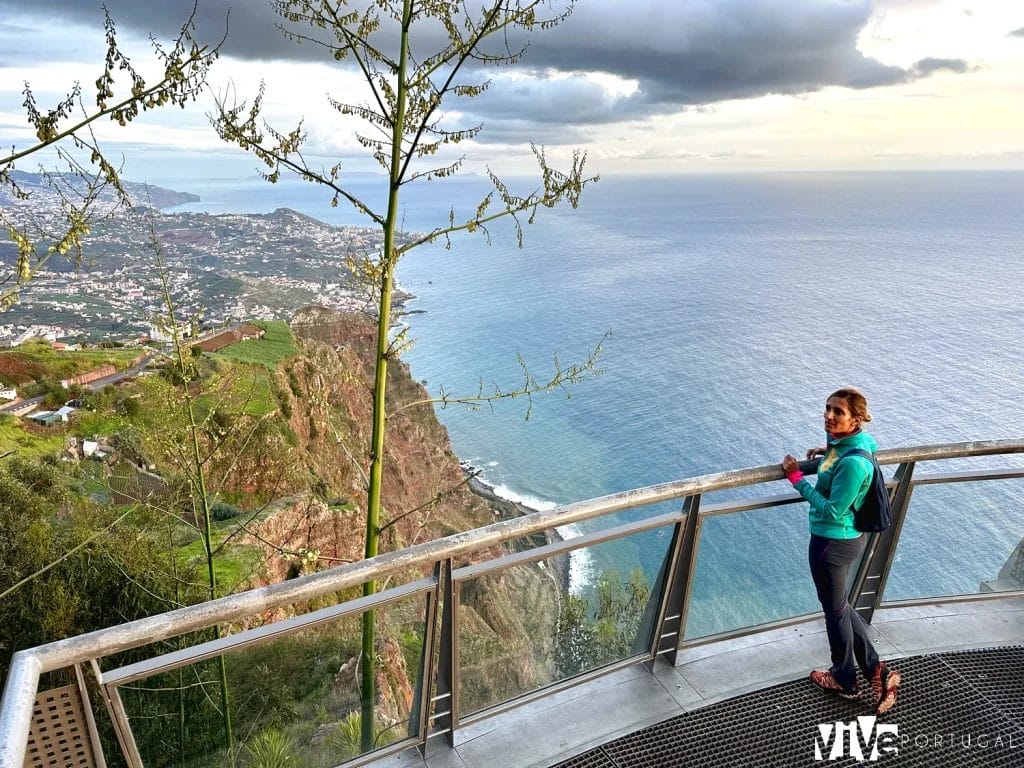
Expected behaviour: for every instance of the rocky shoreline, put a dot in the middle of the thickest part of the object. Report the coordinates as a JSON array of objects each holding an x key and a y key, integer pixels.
[{"x": 506, "y": 509}]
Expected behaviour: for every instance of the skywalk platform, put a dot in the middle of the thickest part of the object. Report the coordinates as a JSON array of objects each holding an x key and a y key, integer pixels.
[
  {"x": 739, "y": 698},
  {"x": 747, "y": 702}
]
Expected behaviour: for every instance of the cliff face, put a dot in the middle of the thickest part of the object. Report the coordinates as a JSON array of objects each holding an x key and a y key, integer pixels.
[
  {"x": 507, "y": 618},
  {"x": 309, "y": 459},
  {"x": 330, "y": 386}
]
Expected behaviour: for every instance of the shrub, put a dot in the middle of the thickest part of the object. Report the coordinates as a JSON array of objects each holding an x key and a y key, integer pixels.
[
  {"x": 221, "y": 510},
  {"x": 55, "y": 395},
  {"x": 129, "y": 444},
  {"x": 270, "y": 749},
  {"x": 284, "y": 403},
  {"x": 345, "y": 738},
  {"x": 293, "y": 383},
  {"x": 130, "y": 407}
]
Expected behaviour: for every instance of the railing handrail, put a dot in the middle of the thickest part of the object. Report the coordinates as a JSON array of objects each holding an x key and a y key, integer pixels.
[
  {"x": 102, "y": 642},
  {"x": 28, "y": 664}
]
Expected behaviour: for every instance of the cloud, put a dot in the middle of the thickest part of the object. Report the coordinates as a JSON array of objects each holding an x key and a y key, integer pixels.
[
  {"x": 250, "y": 24},
  {"x": 689, "y": 55},
  {"x": 1017, "y": 32},
  {"x": 691, "y": 52},
  {"x": 656, "y": 155},
  {"x": 516, "y": 132},
  {"x": 926, "y": 67},
  {"x": 679, "y": 54}
]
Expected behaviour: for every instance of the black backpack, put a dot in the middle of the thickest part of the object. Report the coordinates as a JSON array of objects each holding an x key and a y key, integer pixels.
[{"x": 875, "y": 513}]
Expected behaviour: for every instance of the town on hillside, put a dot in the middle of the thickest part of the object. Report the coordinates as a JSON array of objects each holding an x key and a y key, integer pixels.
[{"x": 219, "y": 269}]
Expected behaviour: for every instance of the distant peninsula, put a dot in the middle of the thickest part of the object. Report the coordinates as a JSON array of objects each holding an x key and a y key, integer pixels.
[{"x": 140, "y": 193}]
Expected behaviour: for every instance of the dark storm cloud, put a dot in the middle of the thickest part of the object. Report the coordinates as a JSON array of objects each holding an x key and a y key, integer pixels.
[
  {"x": 679, "y": 53},
  {"x": 252, "y": 34},
  {"x": 690, "y": 53}
]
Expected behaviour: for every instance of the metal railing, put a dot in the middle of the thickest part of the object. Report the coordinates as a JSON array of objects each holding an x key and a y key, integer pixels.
[{"x": 436, "y": 708}]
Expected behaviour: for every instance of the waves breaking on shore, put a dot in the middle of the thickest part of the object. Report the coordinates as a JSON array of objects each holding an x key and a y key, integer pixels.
[{"x": 580, "y": 571}]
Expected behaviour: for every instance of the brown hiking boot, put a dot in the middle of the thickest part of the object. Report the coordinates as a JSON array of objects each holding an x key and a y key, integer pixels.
[
  {"x": 823, "y": 679},
  {"x": 884, "y": 682}
]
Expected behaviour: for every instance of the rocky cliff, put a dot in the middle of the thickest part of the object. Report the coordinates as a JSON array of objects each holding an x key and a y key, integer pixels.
[{"x": 507, "y": 618}]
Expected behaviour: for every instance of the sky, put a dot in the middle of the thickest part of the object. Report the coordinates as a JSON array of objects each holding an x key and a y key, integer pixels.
[{"x": 643, "y": 86}]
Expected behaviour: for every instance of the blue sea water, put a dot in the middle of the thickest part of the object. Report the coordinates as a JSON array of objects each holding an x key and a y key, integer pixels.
[{"x": 735, "y": 304}]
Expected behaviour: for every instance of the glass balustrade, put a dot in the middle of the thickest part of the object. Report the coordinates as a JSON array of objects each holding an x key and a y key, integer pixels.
[
  {"x": 751, "y": 569},
  {"x": 293, "y": 690},
  {"x": 527, "y": 625},
  {"x": 517, "y": 622},
  {"x": 960, "y": 538}
]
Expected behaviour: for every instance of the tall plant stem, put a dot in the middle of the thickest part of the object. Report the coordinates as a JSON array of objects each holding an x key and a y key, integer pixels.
[
  {"x": 199, "y": 479},
  {"x": 387, "y": 274}
]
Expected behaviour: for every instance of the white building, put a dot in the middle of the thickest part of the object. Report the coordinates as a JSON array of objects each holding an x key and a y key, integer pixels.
[{"x": 164, "y": 334}]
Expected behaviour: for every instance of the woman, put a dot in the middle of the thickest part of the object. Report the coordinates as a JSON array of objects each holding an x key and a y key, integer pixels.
[{"x": 841, "y": 487}]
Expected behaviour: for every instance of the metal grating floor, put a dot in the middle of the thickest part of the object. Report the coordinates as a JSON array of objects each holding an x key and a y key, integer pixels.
[{"x": 963, "y": 708}]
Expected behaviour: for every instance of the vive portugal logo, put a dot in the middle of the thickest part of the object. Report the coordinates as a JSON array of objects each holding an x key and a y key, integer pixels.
[{"x": 864, "y": 740}]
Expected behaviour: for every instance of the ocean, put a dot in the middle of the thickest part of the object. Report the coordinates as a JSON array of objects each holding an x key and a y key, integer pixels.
[{"x": 734, "y": 304}]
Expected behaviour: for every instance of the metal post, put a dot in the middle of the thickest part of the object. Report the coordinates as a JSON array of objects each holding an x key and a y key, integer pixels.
[
  {"x": 90, "y": 719},
  {"x": 122, "y": 727},
  {"x": 666, "y": 619},
  {"x": 446, "y": 698},
  {"x": 16, "y": 707},
  {"x": 669, "y": 595},
  {"x": 869, "y": 584},
  {"x": 680, "y": 585},
  {"x": 420, "y": 711}
]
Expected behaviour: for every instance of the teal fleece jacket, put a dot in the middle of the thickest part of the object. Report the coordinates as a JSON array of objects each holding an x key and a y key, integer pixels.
[{"x": 841, "y": 487}]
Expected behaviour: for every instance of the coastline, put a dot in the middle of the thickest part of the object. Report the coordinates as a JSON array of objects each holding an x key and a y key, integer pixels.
[{"x": 507, "y": 509}]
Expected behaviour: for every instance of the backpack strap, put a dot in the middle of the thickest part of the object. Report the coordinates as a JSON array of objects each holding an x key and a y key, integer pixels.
[{"x": 859, "y": 452}]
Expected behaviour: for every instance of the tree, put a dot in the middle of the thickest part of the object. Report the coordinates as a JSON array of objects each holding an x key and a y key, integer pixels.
[
  {"x": 606, "y": 629},
  {"x": 67, "y": 128},
  {"x": 68, "y": 565},
  {"x": 409, "y": 81}
]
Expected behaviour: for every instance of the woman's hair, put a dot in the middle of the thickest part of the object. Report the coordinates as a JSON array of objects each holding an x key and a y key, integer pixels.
[{"x": 856, "y": 401}]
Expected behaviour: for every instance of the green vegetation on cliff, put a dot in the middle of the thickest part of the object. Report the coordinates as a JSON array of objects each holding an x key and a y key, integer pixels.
[
  {"x": 26, "y": 441},
  {"x": 278, "y": 344}
]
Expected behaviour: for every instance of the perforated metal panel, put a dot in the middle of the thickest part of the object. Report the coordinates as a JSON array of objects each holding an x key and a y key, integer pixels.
[
  {"x": 595, "y": 758},
  {"x": 59, "y": 737},
  {"x": 992, "y": 675},
  {"x": 957, "y": 709}
]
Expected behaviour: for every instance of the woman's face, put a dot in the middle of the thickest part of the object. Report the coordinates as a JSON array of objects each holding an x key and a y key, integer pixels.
[{"x": 838, "y": 419}]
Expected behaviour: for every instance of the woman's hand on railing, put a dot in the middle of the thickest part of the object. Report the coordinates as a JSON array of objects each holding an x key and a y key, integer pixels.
[{"x": 792, "y": 469}]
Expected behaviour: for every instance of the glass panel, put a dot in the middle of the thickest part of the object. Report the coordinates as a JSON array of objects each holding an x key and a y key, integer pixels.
[
  {"x": 529, "y": 626},
  {"x": 294, "y": 700},
  {"x": 960, "y": 539},
  {"x": 751, "y": 569}
]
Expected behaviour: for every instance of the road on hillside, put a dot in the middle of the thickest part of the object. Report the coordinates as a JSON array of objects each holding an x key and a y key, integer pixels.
[{"x": 135, "y": 370}]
